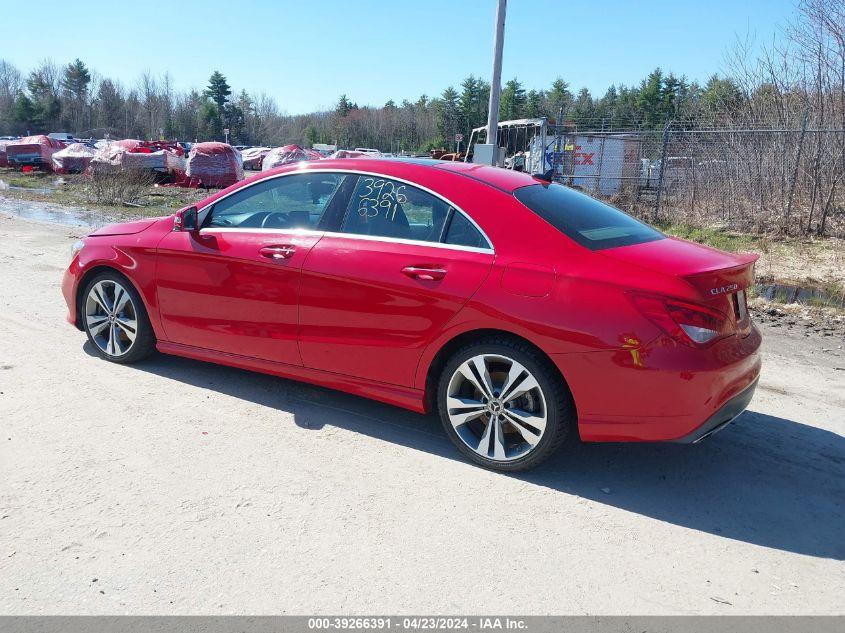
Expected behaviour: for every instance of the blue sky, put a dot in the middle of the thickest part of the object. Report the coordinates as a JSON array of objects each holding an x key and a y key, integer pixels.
[{"x": 305, "y": 54}]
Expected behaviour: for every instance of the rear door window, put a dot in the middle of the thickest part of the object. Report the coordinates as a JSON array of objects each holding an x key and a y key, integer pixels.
[
  {"x": 588, "y": 221},
  {"x": 462, "y": 232},
  {"x": 390, "y": 208}
]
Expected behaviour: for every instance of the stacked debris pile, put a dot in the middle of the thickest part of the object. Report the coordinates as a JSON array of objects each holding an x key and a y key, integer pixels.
[
  {"x": 288, "y": 154},
  {"x": 73, "y": 159},
  {"x": 253, "y": 157},
  {"x": 213, "y": 165},
  {"x": 165, "y": 160},
  {"x": 33, "y": 152}
]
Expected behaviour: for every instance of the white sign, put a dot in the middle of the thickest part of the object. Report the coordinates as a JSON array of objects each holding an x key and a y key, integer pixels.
[
  {"x": 459, "y": 137},
  {"x": 225, "y": 130}
]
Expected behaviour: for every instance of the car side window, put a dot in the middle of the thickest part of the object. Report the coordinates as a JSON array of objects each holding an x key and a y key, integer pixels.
[
  {"x": 462, "y": 232},
  {"x": 286, "y": 202},
  {"x": 389, "y": 208}
]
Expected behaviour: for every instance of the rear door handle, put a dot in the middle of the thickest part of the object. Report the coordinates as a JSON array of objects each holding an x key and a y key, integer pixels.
[
  {"x": 424, "y": 273},
  {"x": 283, "y": 251}
]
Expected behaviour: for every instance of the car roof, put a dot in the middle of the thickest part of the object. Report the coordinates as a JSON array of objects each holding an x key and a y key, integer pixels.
[{"x": 503, "y": 179}]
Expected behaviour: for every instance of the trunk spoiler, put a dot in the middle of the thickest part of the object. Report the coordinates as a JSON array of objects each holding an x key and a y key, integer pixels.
[{"x": 719, "y": 281}]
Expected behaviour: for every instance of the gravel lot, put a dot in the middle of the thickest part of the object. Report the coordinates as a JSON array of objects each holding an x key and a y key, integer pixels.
[{"x": 178, "y": 487}]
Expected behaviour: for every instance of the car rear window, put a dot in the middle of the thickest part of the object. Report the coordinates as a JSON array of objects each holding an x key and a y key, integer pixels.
[{"x": 586, "y": 220}]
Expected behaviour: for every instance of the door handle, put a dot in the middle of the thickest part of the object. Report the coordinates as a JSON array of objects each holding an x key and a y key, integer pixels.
[
  {"x": 424, "y": 273},
  {"x": 284, "y": 251}
]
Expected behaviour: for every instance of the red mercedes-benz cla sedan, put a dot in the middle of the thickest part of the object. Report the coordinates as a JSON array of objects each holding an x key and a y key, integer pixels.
[{"x": 522, "y": 312}]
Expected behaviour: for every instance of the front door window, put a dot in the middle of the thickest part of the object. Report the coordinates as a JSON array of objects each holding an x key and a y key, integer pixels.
[{"x": 298, "y": 201}]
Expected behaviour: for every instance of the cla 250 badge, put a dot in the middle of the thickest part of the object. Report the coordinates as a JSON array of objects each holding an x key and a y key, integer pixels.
[{"x": 723, "y": 289}]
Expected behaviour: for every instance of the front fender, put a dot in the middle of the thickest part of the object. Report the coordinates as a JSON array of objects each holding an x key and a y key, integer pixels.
[{"x": 130, "y": 255}]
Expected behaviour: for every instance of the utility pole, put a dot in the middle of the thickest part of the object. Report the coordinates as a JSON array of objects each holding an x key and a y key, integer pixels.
[{"x": 491, "y": 154}]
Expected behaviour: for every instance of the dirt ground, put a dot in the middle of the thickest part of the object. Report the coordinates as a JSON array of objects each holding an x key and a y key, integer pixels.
[
  {"x": 799, "y": 261},
  {"x": 179, "y": 487}
]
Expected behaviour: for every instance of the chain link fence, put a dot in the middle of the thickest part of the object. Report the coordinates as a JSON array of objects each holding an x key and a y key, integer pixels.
[{"x": 785, "y": 181}]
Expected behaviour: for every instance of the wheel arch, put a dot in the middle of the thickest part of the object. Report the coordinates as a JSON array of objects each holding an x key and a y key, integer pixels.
[
  {"x": 469, "y": 336},
  {"x": 89, "y": 274}
]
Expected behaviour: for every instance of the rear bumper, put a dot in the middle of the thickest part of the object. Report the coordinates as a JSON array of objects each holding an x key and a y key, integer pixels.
[
  {"x": 661, "y": 391},
  {"x": 26, "y": 159},
  {"x": 726, "y": 414}
]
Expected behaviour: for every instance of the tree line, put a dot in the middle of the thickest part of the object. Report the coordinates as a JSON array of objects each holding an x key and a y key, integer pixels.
[{"x": 74, "y": 98}]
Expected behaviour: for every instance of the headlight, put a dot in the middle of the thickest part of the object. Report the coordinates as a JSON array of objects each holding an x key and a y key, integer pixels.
[{"x": 77, "y": 246}]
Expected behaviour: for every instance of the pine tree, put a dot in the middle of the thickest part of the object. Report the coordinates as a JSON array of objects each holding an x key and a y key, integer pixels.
[
  {"x": 674, "y": 91},
  {"x": 558, "y": 97},
  {"x": 467, "y": 104},
  {"x": 512, "y": 101},
  {"x": 233, "y": 119},
  {"x": 211, "y": 124},
  {"x": 650, "y": 99},
  {"x": 246, "y": 112},
  {"x": 720, "y": 94},
  {"x": 625, "y": 113},
  {"x": 448, "y": 123},
  {"x": 472, "y": 104},
  {"x": 534, "y": 104},
  {"x": 583, "y": 110},
  {"x": 343, "y": 107},
  {"x": 26, "y": 113},
  {"x": 605, "y": 108},
  {"x": 42, "y": 84},
  {"x": 218, "y": 89},
  {"x": 109, "y": 108},
  {"x": 311, "y": 134},
  {"x": 76, "y": 80}
]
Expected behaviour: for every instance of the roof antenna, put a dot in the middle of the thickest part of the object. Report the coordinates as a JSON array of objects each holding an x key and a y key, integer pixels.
[{"x": 546, "y": 176}]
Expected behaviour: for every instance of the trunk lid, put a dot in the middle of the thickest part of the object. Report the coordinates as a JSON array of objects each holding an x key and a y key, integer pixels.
[
  {"x": 720, "y": 279},
  {"x": 711, "y": 271}
]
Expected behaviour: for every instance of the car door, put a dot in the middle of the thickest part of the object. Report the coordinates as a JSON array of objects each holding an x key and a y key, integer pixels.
[
  {"x": 233, "y": 285},
  {"x": 380, "y": 288}
]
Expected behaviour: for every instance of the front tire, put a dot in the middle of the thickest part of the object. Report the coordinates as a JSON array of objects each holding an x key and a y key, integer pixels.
[
  {"x": 503, "y": 404},
  {"x": 115, "y": 319}
]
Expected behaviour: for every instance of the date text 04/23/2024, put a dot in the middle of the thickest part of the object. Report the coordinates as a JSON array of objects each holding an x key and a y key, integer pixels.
[{"x": 416, "y": 623}]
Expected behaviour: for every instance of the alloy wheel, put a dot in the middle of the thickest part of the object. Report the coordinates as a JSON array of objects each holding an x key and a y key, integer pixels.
[
  {"x": 496, "y": 407},
  {"x": 111, "y": 317}
]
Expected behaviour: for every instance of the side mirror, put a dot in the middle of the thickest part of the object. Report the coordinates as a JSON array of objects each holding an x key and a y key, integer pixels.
[{"x": 186, "y": 220}]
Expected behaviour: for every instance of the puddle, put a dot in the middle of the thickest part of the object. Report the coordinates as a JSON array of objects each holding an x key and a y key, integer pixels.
[
  {"x": 785, "y": 293},
  {"x": 42, "y": 190},
  {"x": 53, "y": 213}
]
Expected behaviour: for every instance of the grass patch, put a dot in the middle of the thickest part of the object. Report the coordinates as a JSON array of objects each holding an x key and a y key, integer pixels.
[
  {"x": 716, "y": 237},
  {"x": 27, "y": 181},
  {"x": 73, "y": 191}
]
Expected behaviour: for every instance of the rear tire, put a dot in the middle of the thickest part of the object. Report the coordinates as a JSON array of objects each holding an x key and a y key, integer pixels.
[
  {"x": 115, "y": 319},
  {"x": 504, "y": 405}
]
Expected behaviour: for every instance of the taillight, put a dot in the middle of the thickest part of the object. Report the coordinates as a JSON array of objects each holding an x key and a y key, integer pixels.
[{"x": 690, "y": 323}]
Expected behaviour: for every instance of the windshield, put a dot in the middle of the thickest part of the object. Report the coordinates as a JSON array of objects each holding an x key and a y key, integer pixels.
[{"x": 586, "y": 220}]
